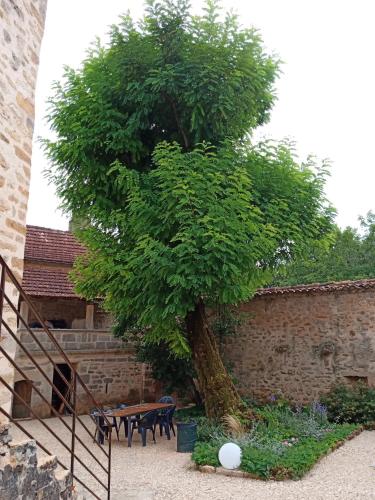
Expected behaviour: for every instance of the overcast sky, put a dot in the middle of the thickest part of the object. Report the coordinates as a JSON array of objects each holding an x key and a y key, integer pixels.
[{"x": 326, "y": 94}]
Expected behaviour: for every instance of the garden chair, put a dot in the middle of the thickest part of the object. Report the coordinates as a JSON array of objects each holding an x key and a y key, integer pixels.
[
  {"x": 124, "y": 420},
  {"x": 147, "y": 422},
  {"x": 165, "y": 421},
  {"x": 166, "y": 399},
  {"x": 102, "y": 427},
  {"x": 162, "y": 414}
]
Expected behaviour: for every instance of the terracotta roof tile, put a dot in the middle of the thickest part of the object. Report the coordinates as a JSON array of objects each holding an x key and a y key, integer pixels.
[
  {"x": 318, "y": 287},
  {"x": 51, "y": 245},
  {"x": 47, "y": 282},
  {"x": 61, "y": 247}
]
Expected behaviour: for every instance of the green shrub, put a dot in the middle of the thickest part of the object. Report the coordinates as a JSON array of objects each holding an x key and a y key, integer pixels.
[
  {"x": 206, "y": 454},
  {"x": 207, "y": 430},
  {"x": 283, "y": 444},
  {"x": 351, "y": 404},
  {"x": 258, "y": 462},
  {"x": 300, "y": 458},
  {"x": 189, "y": 413},
  {"x": 296, "y": 460},
  {"x": 265, "y": 464},
  {"x": 283, "y": 422}
]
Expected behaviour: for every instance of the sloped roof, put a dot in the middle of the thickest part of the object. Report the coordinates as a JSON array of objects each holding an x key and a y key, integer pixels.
[
  {"x": 51, "y": 246},
  {"x": 335, "y": 286},
  {"x": 47, "y": 282}
]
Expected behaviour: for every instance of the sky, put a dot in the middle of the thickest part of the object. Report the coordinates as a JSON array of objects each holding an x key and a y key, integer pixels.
[{"x": 326, "y": 98}]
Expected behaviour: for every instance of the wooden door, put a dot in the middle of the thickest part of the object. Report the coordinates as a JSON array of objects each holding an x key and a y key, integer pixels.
[{"x": 23, "y": 388}]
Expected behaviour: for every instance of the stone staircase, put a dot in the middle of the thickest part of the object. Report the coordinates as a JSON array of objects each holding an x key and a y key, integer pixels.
[{"x": 23, "y": 476}]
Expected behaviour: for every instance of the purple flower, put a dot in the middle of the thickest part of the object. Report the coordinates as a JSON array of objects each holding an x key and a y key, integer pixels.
[{"x": 319, "y": 408}]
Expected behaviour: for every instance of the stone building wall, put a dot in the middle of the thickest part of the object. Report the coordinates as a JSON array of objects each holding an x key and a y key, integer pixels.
[
  {"x": 21, "y": 32},
  {"x": 301, "y": 344},
  {"x": 107, "y": 366}
]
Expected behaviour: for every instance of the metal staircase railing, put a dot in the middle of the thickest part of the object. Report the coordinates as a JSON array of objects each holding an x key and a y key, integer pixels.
[{"x": 69, "y": 400}]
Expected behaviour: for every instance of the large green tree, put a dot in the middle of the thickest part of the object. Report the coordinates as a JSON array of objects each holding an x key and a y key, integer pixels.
[
  {"x": 350, "y": 255},
  {"x": 152, "y": 149}
]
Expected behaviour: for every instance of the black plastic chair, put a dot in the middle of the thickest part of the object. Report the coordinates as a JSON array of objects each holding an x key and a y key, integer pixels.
[
  {"x": 102, "y": 427},
  {"x": 162, "y": 413},
  {"x": 124, "y": 420},
  {"x": 167, "y": 400},
  {"x": 165, "y": 421},
  {"x": 147, "y": 422}
]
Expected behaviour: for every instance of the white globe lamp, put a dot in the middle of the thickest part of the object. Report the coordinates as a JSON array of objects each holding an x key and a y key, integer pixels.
[{"x": 230, "y": 456}]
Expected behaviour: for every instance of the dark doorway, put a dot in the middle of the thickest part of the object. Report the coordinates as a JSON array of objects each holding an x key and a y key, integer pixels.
[
  {"x": 61, "y": 385},
  {"x": 23, "y": 388}
]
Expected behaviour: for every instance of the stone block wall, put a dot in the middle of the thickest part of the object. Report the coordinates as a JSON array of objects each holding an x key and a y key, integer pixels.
[
  {"x": 22, "y": 475},
  {"x": 301, "y": 344},
  {"x": 21, "y": 32},
  {"x": 107, "y": 366}
]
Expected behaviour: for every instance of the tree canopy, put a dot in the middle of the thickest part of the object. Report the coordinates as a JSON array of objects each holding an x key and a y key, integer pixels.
[
  {"x": 171, "y": 77},
  {"x": 350, "y": 256},
  {"x": 153, "y": 149}
]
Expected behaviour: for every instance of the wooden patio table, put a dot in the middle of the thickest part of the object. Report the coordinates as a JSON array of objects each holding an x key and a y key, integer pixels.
[{"x": 132, "y": 411}]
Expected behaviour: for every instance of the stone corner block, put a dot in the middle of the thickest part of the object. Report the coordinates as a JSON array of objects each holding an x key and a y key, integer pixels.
[
  {"x": 23, "y": 452},
  {"x": 249, "y": 475},
  {"x": 229, "y": 472},
  {"x": 48, "y": 462},
  {"x": 5, "y": 437},
  {"x": 65, "y": 483},
  {"x": 207, "y": 469}
]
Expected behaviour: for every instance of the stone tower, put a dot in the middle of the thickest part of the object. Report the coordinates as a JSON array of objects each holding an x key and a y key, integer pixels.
[{"x": 21, "y": 33}]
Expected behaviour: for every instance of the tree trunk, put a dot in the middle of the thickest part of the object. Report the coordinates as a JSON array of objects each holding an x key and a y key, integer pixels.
[
  {"x": 197, "y": 398},
  {"x": 218, "y": 391}
]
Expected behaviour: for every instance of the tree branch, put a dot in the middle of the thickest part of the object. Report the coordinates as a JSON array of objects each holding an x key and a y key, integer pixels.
[{"x": 178, "y": 122}]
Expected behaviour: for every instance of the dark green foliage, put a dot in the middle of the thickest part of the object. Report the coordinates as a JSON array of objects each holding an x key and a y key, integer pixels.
[
  {"x": 350, "y": 256},
  {"x": 264, "y": 464},
  {"x": 351, "y": 404},
  {"x": 192, "y": 228},
  {"x": 152, "y": 150},
  {"x": 300, "y": 458},
  {"x": 175, "y": 374},
  {"x": 206, "y": 454},
  {"x": 189, "y": 413},
  {"x": 285, "y": 444},
  {"x": 283, "y": 422},
  {"x": 207, "y": 430},
  {"x": 172, "y": 77},
  {"x": 225, "y": 323},
  {"x": 294, "y": 463}
]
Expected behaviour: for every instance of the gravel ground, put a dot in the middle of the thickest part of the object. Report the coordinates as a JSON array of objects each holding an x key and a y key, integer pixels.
[{"x": 157, "y": 472}]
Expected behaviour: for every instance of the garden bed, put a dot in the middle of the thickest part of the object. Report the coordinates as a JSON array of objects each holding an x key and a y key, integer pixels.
[
  {"x": 280, "y": 443},
  {"x": 293, "y": 465}
]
